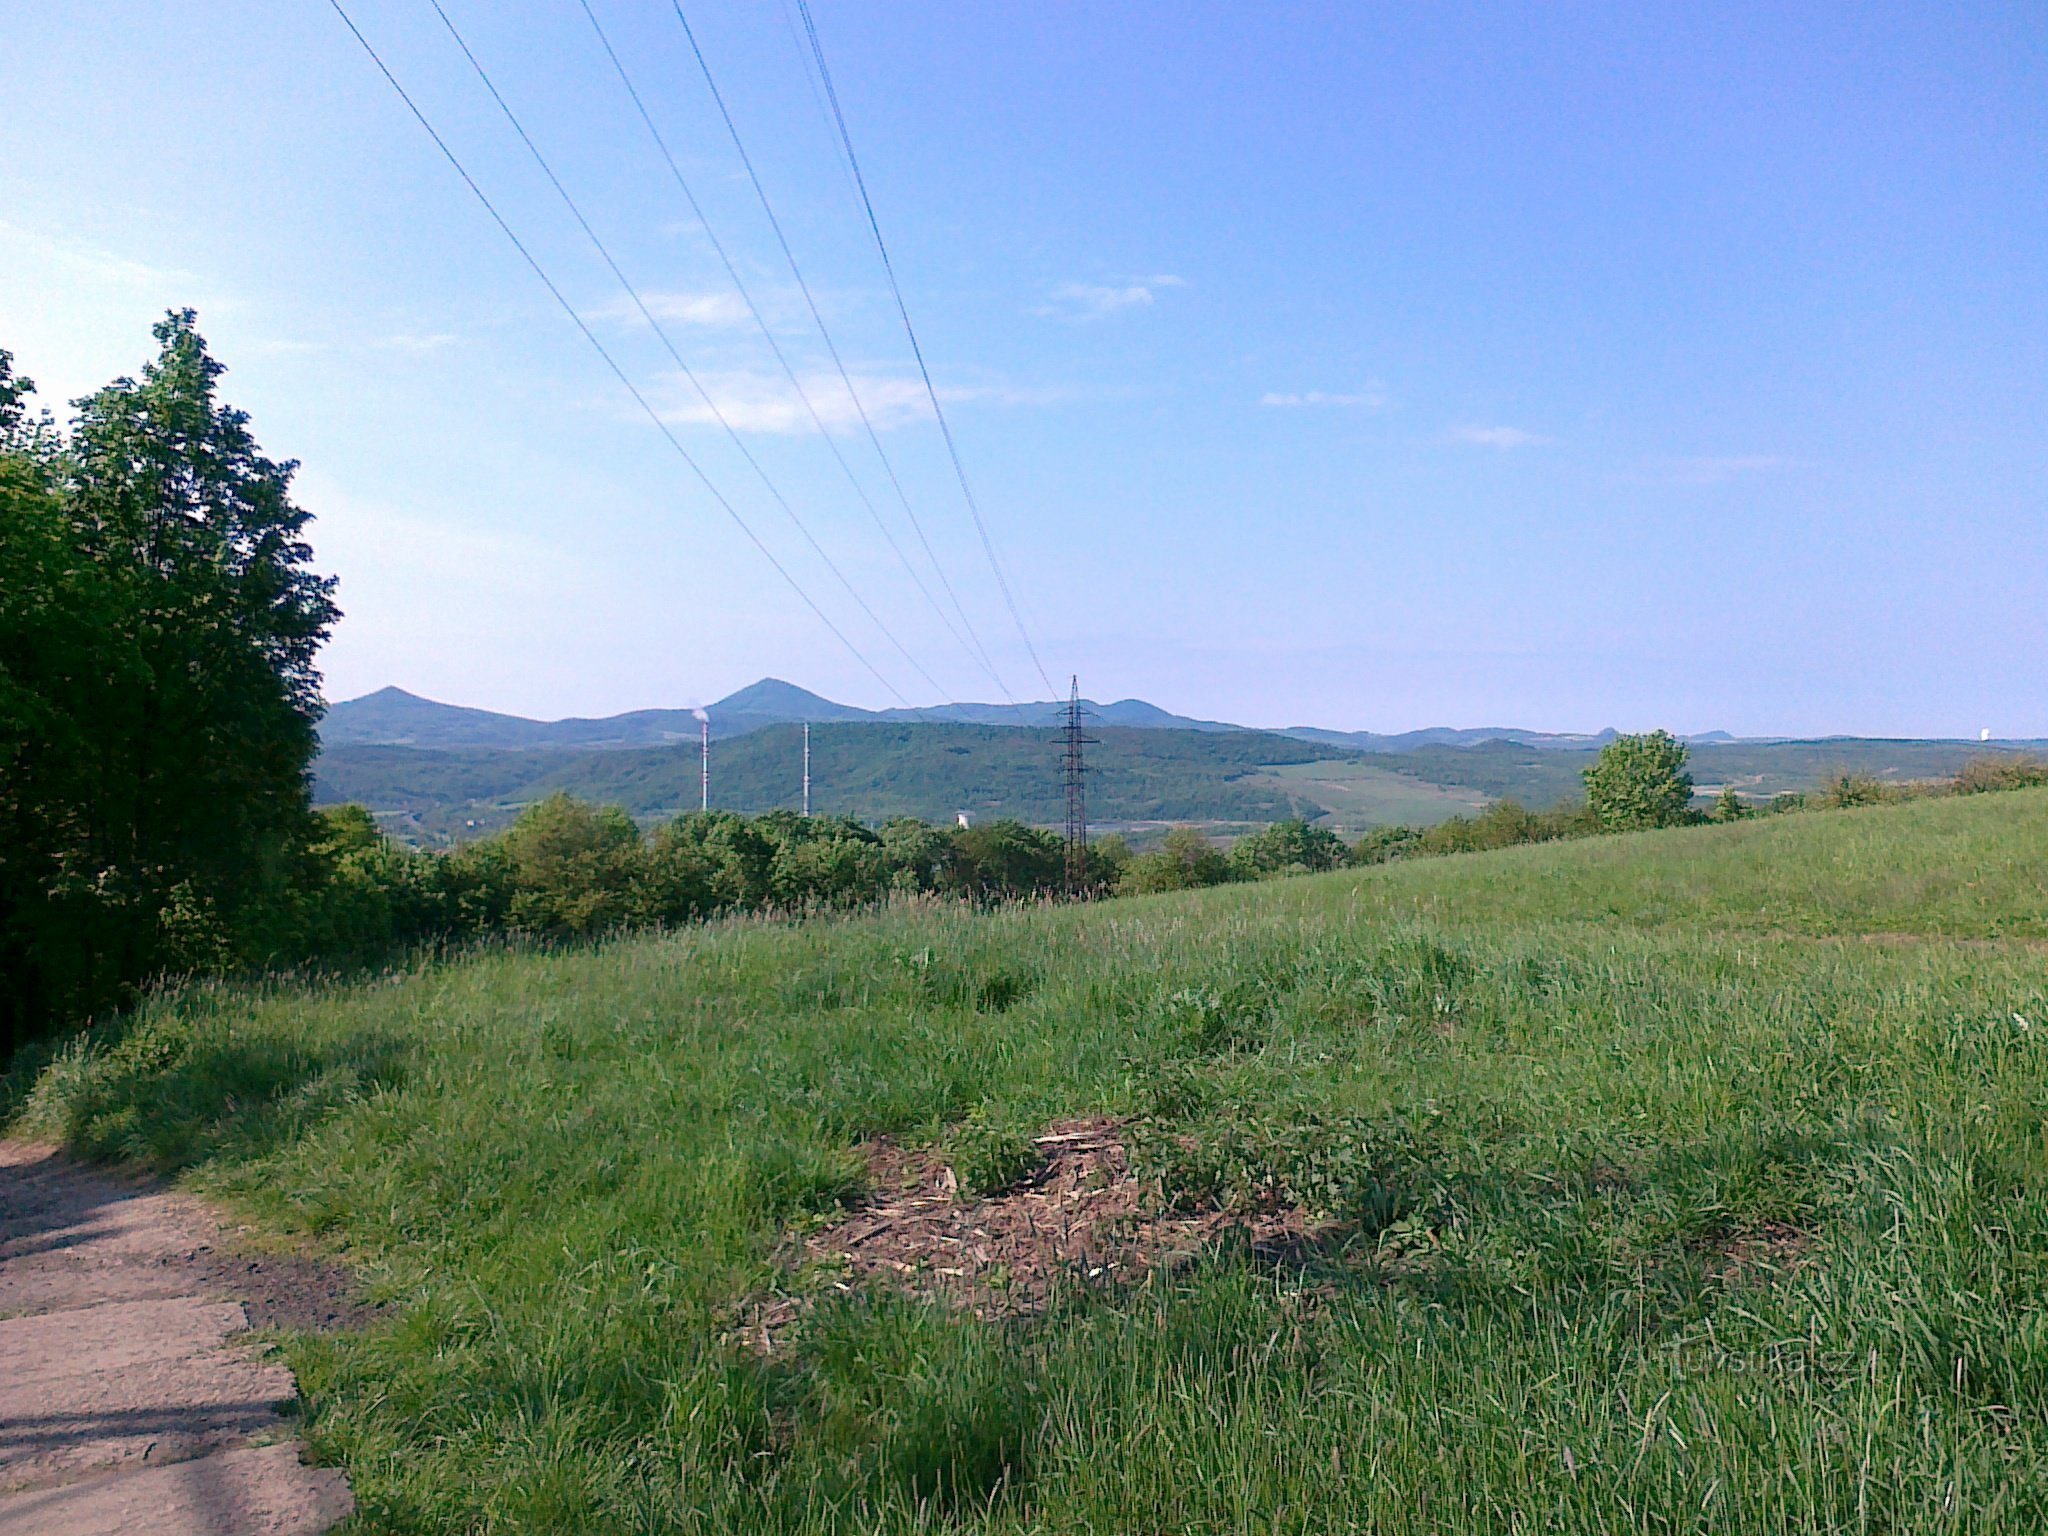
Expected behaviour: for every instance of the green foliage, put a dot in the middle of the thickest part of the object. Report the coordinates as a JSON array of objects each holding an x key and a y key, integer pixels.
[
  {"x": 1729, "y": 806},
  {"x": 1108, "y": 858},
  {"x": 158, "y": 626},
  {"x": 1986, "y": 775},
  {"x": 567, "y": 869},
  {"x": 1845, "y": 790},
  {"x": 1640, "y": 781},
  {"x": 1384, "y": 844},
  {"x": 1504, "y": 824},
  {"x": 1285, "y": 848},
  {"x": 1004, "y": 858},
  {"x": 572, "y": 867},
  {"x": 1184, "y": 861}
]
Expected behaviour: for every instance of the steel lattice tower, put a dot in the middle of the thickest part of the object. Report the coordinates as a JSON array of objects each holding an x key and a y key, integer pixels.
[{"x": 1073, "y": 739}]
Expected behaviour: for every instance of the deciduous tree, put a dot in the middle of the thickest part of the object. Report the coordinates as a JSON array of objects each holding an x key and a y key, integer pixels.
[{"x": 1640, "y": 781}]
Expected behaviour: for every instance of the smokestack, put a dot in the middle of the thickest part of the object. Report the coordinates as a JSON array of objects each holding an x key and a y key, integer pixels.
[{"x": 704, "y": 731}]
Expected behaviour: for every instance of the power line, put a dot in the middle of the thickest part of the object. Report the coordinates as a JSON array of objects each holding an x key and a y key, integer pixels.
[
  {"x": 675, "y": 355},
  {"x": 768, "y": 335},
  {"x": 832, "y": 347},
  {"x": 610, "y": 362},
  {"x": 945, "y": 429}
]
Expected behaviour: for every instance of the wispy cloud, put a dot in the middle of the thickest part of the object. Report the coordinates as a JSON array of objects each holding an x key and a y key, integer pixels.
[
  {"x": 1094, "y": 301},
  {"x": 79, "y": 259},
  {"x": 1371, "y": 398},
  {"x": 1502, "y": 439},
  {"x": 716, "y": 310},
  {"x": 763, "y": 402}
]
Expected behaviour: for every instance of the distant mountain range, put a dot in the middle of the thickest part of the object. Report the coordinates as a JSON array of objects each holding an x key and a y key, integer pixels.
[
  {"x": 439, "y": 772},
  {"x": 393, "y": 717}
]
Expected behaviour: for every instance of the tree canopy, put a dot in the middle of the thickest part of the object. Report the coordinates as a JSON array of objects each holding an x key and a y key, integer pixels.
[
  {"x": 159, "y": 626},
  {"x": 1640, "y": 781}
]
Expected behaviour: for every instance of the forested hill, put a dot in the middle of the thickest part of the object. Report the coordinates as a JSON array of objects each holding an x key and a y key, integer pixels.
[
  {"x": 875, "y": 770},
  {"x": 872, "y": 771}
]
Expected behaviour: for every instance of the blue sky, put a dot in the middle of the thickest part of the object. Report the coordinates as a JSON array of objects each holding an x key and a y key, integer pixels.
[{"x": 1367, "y": 366}]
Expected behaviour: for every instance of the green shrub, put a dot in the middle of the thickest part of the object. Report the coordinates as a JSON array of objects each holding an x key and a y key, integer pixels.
[
  {"x": 1640, "y": 781},
  {"x": 1845, "y": 790},
  {"x": 998, "y": 859},
  {"x": 1285, "y": 847},
  {"x": 1185, "y": 861},
  {"x": 574, "y": 866},
  {"x": 1383, "y": 844},
  {"x": 1983, "y": 775}
]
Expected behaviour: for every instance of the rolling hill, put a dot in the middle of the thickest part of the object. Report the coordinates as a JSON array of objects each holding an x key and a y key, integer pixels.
[
  {"x": 866, "y": 769},
  {"x": 393, "y": 717},
  {"x": 438, "y": 770}
]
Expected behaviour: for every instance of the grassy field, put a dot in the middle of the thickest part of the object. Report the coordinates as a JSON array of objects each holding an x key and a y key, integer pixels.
[
  {"x": 1355, "y": 796},
  {"x": 1688, "y": 1181}
]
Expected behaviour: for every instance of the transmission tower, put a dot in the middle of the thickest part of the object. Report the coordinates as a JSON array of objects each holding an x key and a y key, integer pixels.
[{"x": 1073, "y": 739}]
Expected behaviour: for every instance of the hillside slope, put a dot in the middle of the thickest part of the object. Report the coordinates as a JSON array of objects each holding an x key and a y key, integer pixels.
[
  {"x": 867, "y": 770},
  {"x": 1614, "y": 1182}
]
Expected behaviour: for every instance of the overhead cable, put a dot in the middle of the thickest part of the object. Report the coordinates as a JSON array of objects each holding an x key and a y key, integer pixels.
[
  {"x": 789, "y": 372},
  {"x": 610, "y": 362},
  {"x": 676, "y": 356},
  {"x": 824, "y": 330},
  {"x": 945, "y": 429}
]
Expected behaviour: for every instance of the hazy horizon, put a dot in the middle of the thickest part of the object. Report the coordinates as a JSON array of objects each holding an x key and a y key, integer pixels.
[{"x": 1626, "y": 367}]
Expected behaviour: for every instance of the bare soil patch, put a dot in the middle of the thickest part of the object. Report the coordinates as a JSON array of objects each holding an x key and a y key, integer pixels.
[
  {"x": 1079, "y": 1219},
  {"x": 1770, "y": 1249},
  {"x": 68, "y": 1233}
]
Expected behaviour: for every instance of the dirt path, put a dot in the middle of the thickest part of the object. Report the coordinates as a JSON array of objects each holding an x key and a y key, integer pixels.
[{"x": 126, "y": 1404}]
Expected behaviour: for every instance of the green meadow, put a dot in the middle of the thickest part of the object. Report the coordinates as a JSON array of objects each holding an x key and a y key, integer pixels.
[{"x": 1683, "y": 1181}]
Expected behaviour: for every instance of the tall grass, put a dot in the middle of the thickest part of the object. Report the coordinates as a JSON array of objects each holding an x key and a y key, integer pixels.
[{"x": 1658, "y": 1206}]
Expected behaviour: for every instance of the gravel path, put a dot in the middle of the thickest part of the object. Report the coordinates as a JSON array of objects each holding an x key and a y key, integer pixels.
[{"x": 126, "y": 1403}]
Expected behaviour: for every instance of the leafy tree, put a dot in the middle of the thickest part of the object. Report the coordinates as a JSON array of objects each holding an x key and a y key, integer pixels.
[
  {"x": 61, "y": 657},
  {"x": 916, "y": 852},
  {"x": 1640, "y": 781},
  {"x": 1184, "y": 860},
  {"x": 360, "y": 894},
  {"x": 1729, "y": 806},
  {"x": 159, "y": 623},
  {"x": 1004, "y": 858},
  {"x": 823, "y": 861},
  {"x": 1107, "y": 859},
  {"x": 574, "y": 866},
  {"x": 1285, "y": 847},
  {"x": 736, "y": 860}
]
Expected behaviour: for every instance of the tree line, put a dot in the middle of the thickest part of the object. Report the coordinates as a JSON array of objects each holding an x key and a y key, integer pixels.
[{"x": 159, "y": 704}]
